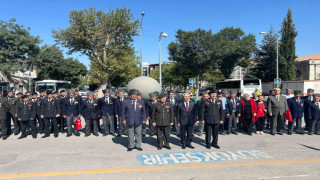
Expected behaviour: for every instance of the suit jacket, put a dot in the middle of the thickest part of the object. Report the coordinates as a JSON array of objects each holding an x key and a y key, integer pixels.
[
  {"x": 90, "y": 111},
  {"x": 72, "y": 109},
  {"x": 50, "y": 109},
  {"x": 275, "y": 107},
  {"x": 4, "y": 108},
  {"x": 107, "y": 108},
  {"x": 185, "y": 117},
  {"x": 295, "y": 108},
  {"x": 133, "y": 115},
  {"x": 230, "y": 108},
  {"x": 313, "y": 111},
  {"x": 119, "y": 105},
  {"x": 162, "y": 114},
  {"x": 26, "y": 111},
  {"x": 307, "y": 104},
  {"x": 13, "y": 102},
  {"x": 176, "y": 102},
  {"x": 149, "y": 105},
  {"x": 38, "y": 103},
  {"x": 212, "y": 113},
  {"x": 199, "y": 103}
]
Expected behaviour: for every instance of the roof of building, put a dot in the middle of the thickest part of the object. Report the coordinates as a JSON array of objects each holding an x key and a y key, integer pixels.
[{"x": 310, "y": 57}]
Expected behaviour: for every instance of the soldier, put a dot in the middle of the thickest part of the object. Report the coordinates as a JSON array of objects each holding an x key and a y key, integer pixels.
[
  {"x": 50, "y": 111},
  {"x": 42, "y": 94},
  {"x": 174, "y": 100},
  {"x": 29, "y": 94},
  {"x": 134, "y": 115},
  {"x": 4, "y": 108},
  {"x": 90, "y": 112},
  {"x": 72, "y": 111},
  {"x": 107, "y": 109},
  {"x": 187, "y": 117},
  {"x": 119, "y": 103},
  {"x": 149, "y": 104},
  {"x": 295, "y": 104},
  {"x": 162, "y": 119},
  {"x": 233, "y": 113},
  {"x": 12, "y": 113},
  {"x": 212, "y": 116},
  {"x": 38, "y": 120},
  {"x": 26, "y": 112}
]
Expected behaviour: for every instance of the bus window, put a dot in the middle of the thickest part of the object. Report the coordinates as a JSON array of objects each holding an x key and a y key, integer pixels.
[
  {"x": 251, "y": 82},
  {"x": 45, "y": 86},
  {"x": 228, "y": 85}
]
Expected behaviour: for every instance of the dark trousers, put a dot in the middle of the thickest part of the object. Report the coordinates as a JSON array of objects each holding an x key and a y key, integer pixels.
[
  {"x": 163, "y": 135},
  {"x": 296, "y": 121},
  {"x": 231, "y": 123},
  {"x": 222, "y": 126},
  {"x": 25, "y": 124},
  {"x": 40, "y": 123},
  {"x": 16, "y": 123},
  {"x": 4, "y": 127},
  {"x": 91, "y": 123},
  {"x": 54, "y": 126},
  {"x": 314, "y": 126},
  {"x": 276, "y": 123},
  {"x": 306, "y": 121},
  {"x": 212, "y": 131},
  {"x": 152, "y": 129},
  {"x": 247, "y": 125},
  {"x": 61, "y": 122},
  {"x": 186, "y": 133},
  {"x": 260, "y": 123}
]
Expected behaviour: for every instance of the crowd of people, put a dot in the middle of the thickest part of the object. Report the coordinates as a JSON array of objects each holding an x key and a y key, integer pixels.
[{"x": 217, "y": 112}]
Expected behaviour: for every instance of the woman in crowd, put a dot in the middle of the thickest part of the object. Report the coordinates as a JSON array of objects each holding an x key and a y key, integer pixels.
[
  {"x": 261, "y": 115},
  {"x": 248, "y": 113}
]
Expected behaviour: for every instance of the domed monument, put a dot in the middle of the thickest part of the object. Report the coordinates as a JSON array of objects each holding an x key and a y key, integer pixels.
[{"x": 145, "y": 85}]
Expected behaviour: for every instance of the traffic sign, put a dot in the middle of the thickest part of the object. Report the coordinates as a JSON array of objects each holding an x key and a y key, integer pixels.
[
  {"x": 192, "y": 90},
  {"x": 277, "y": 81},
  {"x": 192, "y": 80},
  {"x": 192, "y": 85}
]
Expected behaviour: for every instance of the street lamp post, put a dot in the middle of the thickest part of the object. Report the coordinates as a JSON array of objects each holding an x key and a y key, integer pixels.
[
  {"x": 142, "y": 14},
  {"x": 277, "y": 54},
  {"x": 162, "y": 34}
]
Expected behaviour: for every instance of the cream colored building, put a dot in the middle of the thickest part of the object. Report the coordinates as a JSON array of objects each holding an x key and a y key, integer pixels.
[{"x": 308, "y": 67}]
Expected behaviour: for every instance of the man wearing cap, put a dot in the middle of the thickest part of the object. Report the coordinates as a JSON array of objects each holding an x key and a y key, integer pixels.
[
  {"x": 72, "y": 111},
  {"x": 314, "y": 116},
  {"x": 38, "y": 120},
  {"x": 91, "y": 112},
  {"x": 162, "y": 119},
  {"x": 149, "y": 104},
  {"x": 63, "y": 95},
  {"x": 174, "y": 100},
  {"x": 187, "y": 118},
  {"x": 26, "y": 112},
  {"x": 204, "y": 98},
  {"x": 277, "y": 106},
  {"x": 4, "y": 108},
  {"x": 42, "y": 94},
  {"x": 212, "y": 116},
  {"x": 224, "y": 104},
  {"x": 233, "y": 112},
  {"x": 307, "y": 104},
  {"x": 295, "y": 104},
  {"x": 50, "y": 111},
  {"x": 133, "y": 116},
  {"x": 119, "y": 103},
  {"x": 108, "y": 111},
  {"x": 12, "y": 113}
]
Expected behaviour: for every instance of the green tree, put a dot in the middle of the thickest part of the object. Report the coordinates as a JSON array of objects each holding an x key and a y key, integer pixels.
[
  {"x": 16, "y": 42},
  {"x": 213, "y": 76},
  {"x": 105, "y": 37},
  {"x": 287, "y": 49}
]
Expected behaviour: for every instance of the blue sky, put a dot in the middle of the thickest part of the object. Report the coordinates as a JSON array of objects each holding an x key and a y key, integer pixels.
[{"x": 253, "y": 16}]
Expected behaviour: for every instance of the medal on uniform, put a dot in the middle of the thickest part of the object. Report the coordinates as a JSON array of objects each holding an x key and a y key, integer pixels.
[{"x": 140, "y": 106}]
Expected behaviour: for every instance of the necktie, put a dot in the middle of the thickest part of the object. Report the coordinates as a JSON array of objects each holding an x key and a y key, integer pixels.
[
  {"x": 214, "y": 101},
  {"x": 278, "y": 97},
  {"x": 187, "y": 106},
  {"x": 318, "y": 105},
  {"x": 121, "y": 100},
  {"x": 71, "y": 101},
  {"x": 135, "y": 107}
]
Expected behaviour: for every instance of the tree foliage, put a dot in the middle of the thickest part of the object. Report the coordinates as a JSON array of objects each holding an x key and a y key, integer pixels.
[{"x": 213, "y": 76}]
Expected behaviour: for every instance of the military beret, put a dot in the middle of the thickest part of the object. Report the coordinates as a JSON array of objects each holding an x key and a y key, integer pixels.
[
  {"x": 170, "y": 91},
  {"x": 34, "y": 93},
  {"x": 157, "y": 93},
  {"x": 49, "y": 92},
  {"x": 162, "y": 95},
  {"x": 90, "y": 93},
  {"x": 151, "y": 95},
  {"x": 310, "y": 90},
  {"x": 25, "y": 96},
  {"x": 133, "y": 91},
  {"x": 112, "y": 93},
  {"x": 106, "y": 91},
  {"x": 71, "y": 91},
  {"x": 233, "y": 92},
  {"x": 297, "y": 92}
]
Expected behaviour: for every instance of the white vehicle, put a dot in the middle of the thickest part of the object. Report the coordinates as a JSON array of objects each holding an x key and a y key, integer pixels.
[
  {"x": 53, "y": 85},
  {"x": 294, "y": 85},
  {"x": 246, "y": 85}
]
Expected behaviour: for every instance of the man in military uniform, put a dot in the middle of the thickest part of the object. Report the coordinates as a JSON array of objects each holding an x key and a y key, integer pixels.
[
  {"x": 38, "y": 102},
  {"x": 134, "y": 115},
  {"x": 42, "y": 94},
  {"x": 26, "y": 113},
  {"x": 107, "y": 109},
  {"x": 90, "y": 112},
  {"x": 119, "y": 103},
  {"x": 50, "y": 111},
  {"x": 162, "y": 119},
  {"x": 4, "y": 108},
  {"x": 212, "y": 116},
  {"x": 149, "y": 104},
  {"x": 12, "y": 113},
  {"x": 72, "y": 111}
]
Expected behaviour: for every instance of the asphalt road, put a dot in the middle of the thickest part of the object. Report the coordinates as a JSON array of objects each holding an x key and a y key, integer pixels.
[{"x": 240, "y": 157}]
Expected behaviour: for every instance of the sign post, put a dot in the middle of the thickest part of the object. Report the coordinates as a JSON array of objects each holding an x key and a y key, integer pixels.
[
  {"x": 277, "y": 83},
  {"x": 192, "y": 84}
]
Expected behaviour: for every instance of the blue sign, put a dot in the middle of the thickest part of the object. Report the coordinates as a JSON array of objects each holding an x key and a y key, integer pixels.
[
  {"x": 200, "y": 157},
  {"x": 191, "y": 85},
  {"x": 277, "y": 81},
  {"x": 192, "y": 80}
]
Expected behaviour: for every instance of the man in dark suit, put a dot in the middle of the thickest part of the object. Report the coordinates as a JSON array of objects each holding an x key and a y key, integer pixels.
[
  {"x": 4, "y": 108},
  {"x": 212, "y": 117},
  {"x": 187, "y": 117},
  {"x": 162, "y": 119},
  {"x": 12, "y": 113},
  {"x": 307, "y": 103},
  {"x": 26, "y": 112},
  {"x": 296, "y": 106},
  {"x": 277, "y": 106},
  {"x": 50, "y": 111},
  {"x": 205, "y": 96},
  {"x": 72, "y": 111},
  {"x": 314, "y": 116},
  {"x": 90, "y": 112},
  {"x": 63, "y": 95},
  {"x": 134, "y": 115},
  {"x": 119, "y": 103},
  {"x": 149, "y": 104},
  {"x": 174, "y": 100},
  {"x": 38, "y": 102},
  {"x": 108, "y": 110},
  {"x": 233, "y": 112}
]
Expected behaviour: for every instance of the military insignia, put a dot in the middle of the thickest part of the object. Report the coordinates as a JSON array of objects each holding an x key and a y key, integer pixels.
[
  {"x": 110, "y": 102},
  {"x": 95, "y": 104},
  {"x": 76, "y": 102},
  {"x": 218, "y": 102},
  {"x": 238, "y": 104},
  {"x": 140, "y": 107},
  {"x": 168, "y": 110},
  {"x": 301, "y": 105}
]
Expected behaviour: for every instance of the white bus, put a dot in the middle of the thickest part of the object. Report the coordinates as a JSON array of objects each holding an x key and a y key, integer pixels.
[
  {"x": 53, "y": 85},
  {"x": 246, "y": 85}
]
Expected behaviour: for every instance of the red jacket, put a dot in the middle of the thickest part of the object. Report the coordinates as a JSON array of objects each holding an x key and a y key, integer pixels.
[{"x": 253, "y": 109}]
